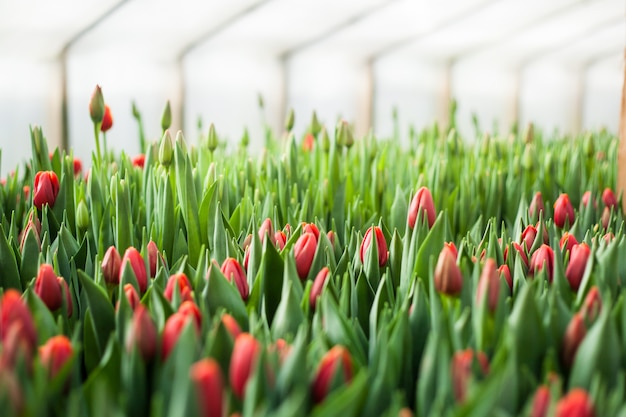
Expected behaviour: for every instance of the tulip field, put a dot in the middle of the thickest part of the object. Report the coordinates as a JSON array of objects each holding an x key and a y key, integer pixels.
[{"x": 327, "y": 275}]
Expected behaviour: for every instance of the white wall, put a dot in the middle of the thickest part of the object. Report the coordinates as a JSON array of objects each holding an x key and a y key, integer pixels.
[{"x": 603, "y": 95}]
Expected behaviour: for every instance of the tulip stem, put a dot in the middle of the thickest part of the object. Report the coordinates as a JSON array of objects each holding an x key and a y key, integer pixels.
[{"x": 96, "y": 131}]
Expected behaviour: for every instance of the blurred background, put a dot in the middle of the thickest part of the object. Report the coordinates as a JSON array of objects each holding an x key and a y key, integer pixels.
[{"x": 558, "y": 63}]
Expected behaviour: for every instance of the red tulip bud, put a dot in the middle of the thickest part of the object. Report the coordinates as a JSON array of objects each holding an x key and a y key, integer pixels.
[
  {"x": 453, "y": 249},
  {"x": 287, "y": 230},
  {"x": 111, "y": 265},
  {"x": 78, "y": 167},
  {"x": 281, "y": 239},
  {"x": 107, "y": 119},
  {"x": 304, "y": 252},
  {"x": 308, "y": 142},
  {"x": 536, "y": 207},
  {"x": 381, "y": 243},
  {"x": 489, "y": 285},
  {"x": 541, "y": 402},
  {"x": 574, "y": 335},
  {"x": 422, "y": 202},
  {"x": 448, "y": 276},
  {"x": 577, "y": 263},
  {"x": 231, "y": 325},
  {"x": 13, "y": 311},
  {"x": 246, "y": 242},
  {"x": 568, "y": 241},
  {"x": 505, "y": 272},
  {"x": 605, "y": 219},
  {"x": 542, "y": 256},
  {"x": 592, "y": 305},
  {"x": 336, "y": 360},
  {"x": 520, "y": 251},
  {"x": 461, "y": 369},
  {"x": 131, "y": 295},
  {"x": 575, "y": 404},
  {"x": 55, "y": 353},
  {"x": 142, "y": 333},
  {"x": 311, "y": 228},
  {"x": 190, "y": 309},
  {"x": 266, "y": 229},
  {"x": 171, "y": 332},
  {"x": 139, "y": 161},
  {"x": 528, "y": 237},
  {"x": 331, "y": 237},
  {"x": 153, "y": 254},
  {"x": 15, "y": 348},
  {"x": 138, "y": 266},
  {"x": 609, "y": 199},
  {"x": 206, "y": 376},
  {"x": 65, "y": 289},
  {"x": 33, "y": 224},
  {"x": 47, "y": 287},
  {"x": 563, "y": 211},
  {"x": 184, "y": 287},
  {"x": 585, "y": 199},
  {"x": 232, "y": 270},
  {"x": 282, "y": 348},
  {"x": 242, "y": 362},
  {"x": 318, "y": 285},
  {"x": 46, "y": 189}
]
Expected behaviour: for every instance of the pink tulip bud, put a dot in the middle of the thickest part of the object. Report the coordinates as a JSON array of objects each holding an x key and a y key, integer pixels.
[
  {"x": 55, "y": 353},
  {"x": 131, "y": 295},
  {"x": 536, "y": 207},
  {"x": 266, "y": 229},
  {"x": 46, "y": 189},
  {"x": 318, "y": 285},
  {"x": 568, "y": 241},
  {"x": 232, "y": 270},
  {"x": 311, "y": 228},
  {"x": 171, "y": 332},
  {"x": 541, "y": 402},
  {"x": 153, "y": 254},
  {"x": 461, "y": 369},
  {"x": 585, "y": 199},
  {"x": 65, "y": 289},
  {"x": 605, "y": 219},
  {"x": 304, "y": 252},
  {"x": 184, "y": 287},
  {"x": 592, "y": 306},
  {"x": 138, "y": 266},
  {"x": 336, "y": 360},
  {"x": 242, "y": 362},
  {"x": 448, "y": 276},
  {"x": 505, "y": 273},
  {"x": 574, "y": 335},
  {"x": 231, "y": 325},
  {"x": 381, "y": 243},
  {"x": 331, "y": 237},
  {"x": 609, "y": 199},
  {"x": 563, "y": 211},
  {"x": 577, "y": 263},
  {"x": 47, "y": 287},
  {"x": 489, "y": 285},
  {"x": 107, "y": 119},
  {"x": 576, "y": 403},
  {"x": 528, "y": 237},
  {"x": 142, "y": 334},
  {"x": 422, "y": 202},
  {"x": 206, "y": 377},
  {"x": 453, "y": 249},
  {"x": 281, "y": 239},
  {"x": 13, "y": 311},
  {"x": 544, "y": 256},
  {"x": 111, "y": 265}
]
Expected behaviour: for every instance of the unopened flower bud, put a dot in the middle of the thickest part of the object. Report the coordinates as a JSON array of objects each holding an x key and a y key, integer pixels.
[
  {"x": 96, "y": 105},
  {"x": 212, "y": 141},
  {"x": 242, "y": 362},
  {"x": 448, "y": 276},
  {"x": 166, "y": 150},
  {"x": 166, "y": 118},
  {"x": 82, "y": 215}
]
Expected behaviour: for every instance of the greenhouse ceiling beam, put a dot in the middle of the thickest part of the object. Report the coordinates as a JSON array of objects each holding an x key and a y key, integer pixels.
[{"x": 63, "y": 61}]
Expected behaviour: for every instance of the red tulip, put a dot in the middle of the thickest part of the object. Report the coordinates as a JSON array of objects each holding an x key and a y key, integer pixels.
[
  {"x": 489, "y": 285},
  {"x": 246, "y": 242},
  {"x": 242, "y": 362},
  {"x": 536, "y": 207},
  {"x": 171, "y": 332},
  {"x": 13, "y": 312},
  {"x": 78, "y": 167},
  {"x": 331, "y": 237},
  {"x": 65, "y": 289},
  {"x": 318, "y": 285},
  {"x": 15, "y": 348},
  {"x": 422, "y": 202},
  {"x": 281, "y": 239},
  {"x": 505, "y": 272},
  {"x": 541, "y": 402},
  {"x": 520, "y": 251},
  {"x": 33, "y": 224},
  {"x": 528, "y": 237},
  {"x": 304, "y": 252},
  {"x": 47, "y": 287},
  {"x": 574, "y": 335},
  {"x": 142, "y": 334},
  {"x": 605, "y": 219},
  {"x": 55, "y": 353},
  {"x": 336, "y": 360},
  {"x": 461, "y": 369},
  {"x": 231, "y": 325},
  {"x": 111, "y": 266},
  {"x": 232, "y": 270},
  {"x": 308, "y": 142},
  {"x": 311, "y": 228},
  {"x": 107, "y": 119},
  {"x": 138, "y": 266},
  {"x": 206, "y": 376},
  {"x": 266, "y": 229},
  {"x": 448, "y": 276},
  {"x": 287, "y": 230},
  {"x": 190, "y": 309},
  {"x": 381, "y": 243},
  {"x": 453, "y": 249},
  {"x": 592, "y": 305},
  {"x": 153, "y": 254},
  {"x": 46, "y": 189},
  {"x": 577, "y": 264},
  {"x": 281, "y": 348},
  {"x": 139, "y": 161},
  {"x": 575, "y": 404},
  {"x": 609, "y": 199},
  {"x": 563, "y": 211},
  {"x": 585, "y": 199},
  {"x": 542, "y": 256},
  {"x": 568, "y": 241},
  {"x": 184, "y": 287},
  {"x": 131, "y": 295}
]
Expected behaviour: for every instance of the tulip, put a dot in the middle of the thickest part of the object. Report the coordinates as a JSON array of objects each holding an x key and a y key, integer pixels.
[
  {"x": 585, "y": 199},
  {"x": 422, "y": 202},
  {"x": 47, "y": 287},
  {"x": 55, "y": 353},
  {"x": 461, "y": 369},
  {"x": 138, "y": 266},
  {"x": 304, "y": 252},
  {"x": 380, "y": 243},
  {"x": 231, "y": 325},
  {"x": 206, "y": 377},
  {"x": 111, "y": 266},
  {"x": 536, "y": 207},
  {"x": 78, "y": 167},
  {"x": 15, "y": 348},
  {"x": 311, "y": 228},
  {"x": 96, "y": 105},
  {"x": 568, "y": 241},
  {"x": 318, "y": 285},
  {"x": 232, "y": 270},
  {"x": 180, "y": 280},
  {"x": 281, "y": 239},
  {"x": 608, "y": 237},
  {"x": 33, "y": 224},
  {"x": 520, "y": 251},
  {"x": 65, "y": 289},
  {"x": 190, "y": 309},
  {"x": 563, "y": 211},
  {"x": 246, "y": 242},
  {"x": 266, "y": 229},
  {"x": 46, "y": 189},
  {"x": 153, "y": 254},
  {"x": 577, "y": 263},
  {"x": 489, "y": 285},
  {"x": 107, "y": 119},
  {"x": 287, "y": 230},
  {"x": 331, "y": 237},
  {"x": 142, "y": 334},
  {"x": 542, "y": 256},
  {"x": 592, "y": 305},
  {"x": 452, "y": 247},
  {"x": 11, "y": 391},
  {"x": 308, "y": 142},
  {"x": 609, "y": 199},
  {"x": 505, "y": 273},
  {"x": 171, "y": 332},
  {"x": 528, "y": 237},
  {"x": 541, "y": 402},
  {"x": 605, "y": 219},
  {"x": 448, "y": 277},
  {"x": 336, "y": 361},
  {"x": 242, "y": 362},
  {"x": 139, "y": 161},
  {"x": 574, "y": 335},
  {"x": 575, "y": 404},
  {"x": 13, "y": 312},
  {"x": 131, "y": 295}
]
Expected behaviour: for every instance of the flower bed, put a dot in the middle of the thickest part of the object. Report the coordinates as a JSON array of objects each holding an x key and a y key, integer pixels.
[{"x": 330, "y": 275}]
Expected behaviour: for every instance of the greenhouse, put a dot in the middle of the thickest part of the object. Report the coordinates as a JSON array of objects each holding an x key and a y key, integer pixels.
[{"x": 326, "y": 208}]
